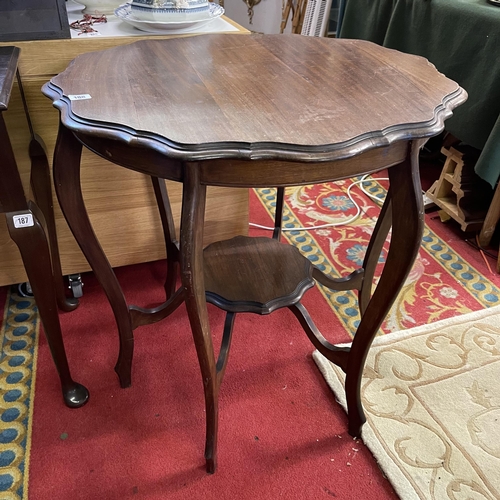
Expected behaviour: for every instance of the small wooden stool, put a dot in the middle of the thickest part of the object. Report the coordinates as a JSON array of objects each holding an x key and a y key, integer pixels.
[{"x": 459, "y": 191}]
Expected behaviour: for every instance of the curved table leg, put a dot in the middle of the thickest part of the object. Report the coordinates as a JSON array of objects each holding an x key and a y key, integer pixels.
[
  {"x": 41, "y": 186},
  {"x": 167, "y": 221},
  {"x": 407, "y": 228},
  {"x": 66, "y": 170},
  {"x": 382, "y": 227},
  {"x": 191, "y": 255},
  {"x": 34, "y": 248}
]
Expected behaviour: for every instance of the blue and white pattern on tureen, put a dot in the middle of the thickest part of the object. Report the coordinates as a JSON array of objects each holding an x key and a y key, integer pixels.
[{"x": 169, "y": 6}]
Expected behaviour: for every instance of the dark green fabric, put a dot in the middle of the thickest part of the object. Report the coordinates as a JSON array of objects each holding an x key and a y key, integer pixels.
[
  {"x": 462, "y": 39},
  {"x": 367, "y": 19}
]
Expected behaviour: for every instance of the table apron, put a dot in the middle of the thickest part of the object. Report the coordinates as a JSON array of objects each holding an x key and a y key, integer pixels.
[
  {"x": 264, "y": 173},
  {"x": 141, "y": 159},
  {"x": 246, "y": 173}
]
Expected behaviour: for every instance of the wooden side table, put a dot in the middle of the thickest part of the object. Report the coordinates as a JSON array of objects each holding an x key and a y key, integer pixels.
[
  {"x": 31, "y": 226},
  {"x": 254, "y": 111}
]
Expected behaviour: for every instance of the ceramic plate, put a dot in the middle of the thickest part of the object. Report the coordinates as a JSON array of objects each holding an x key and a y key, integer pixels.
[{"x": 124, "y": 13}]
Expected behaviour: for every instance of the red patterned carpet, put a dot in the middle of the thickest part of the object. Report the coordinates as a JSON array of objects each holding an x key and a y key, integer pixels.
[
  {"x": 449, "y": 277},
  {"x": 282, "y": 435}
]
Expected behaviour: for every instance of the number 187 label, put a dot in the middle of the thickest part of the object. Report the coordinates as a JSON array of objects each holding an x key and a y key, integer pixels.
[{"x": 25, "y": 220}]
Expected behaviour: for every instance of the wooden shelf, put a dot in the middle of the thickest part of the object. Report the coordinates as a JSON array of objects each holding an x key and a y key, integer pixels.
[{"x": 256, "y": 275}]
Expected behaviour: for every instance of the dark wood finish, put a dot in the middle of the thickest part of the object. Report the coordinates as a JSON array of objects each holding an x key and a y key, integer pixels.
[
  {"x": 278, "y": 213},
  {"x": 11, "y": 191},
  {"x": 33, "y": 20},
  {"x": 171, "y": 244},
  {"x": 266, "y": 110},
  {"x": 273, "y": 122},
  {"x": 41, "y": 186},
  {"x": 36, "y": 239},
  {"x": 235, "y": 270},
  {"x": 107, "y": 201}
]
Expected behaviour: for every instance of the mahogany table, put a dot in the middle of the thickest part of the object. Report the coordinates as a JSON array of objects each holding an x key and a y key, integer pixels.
[{"x": 260, "y": 110}]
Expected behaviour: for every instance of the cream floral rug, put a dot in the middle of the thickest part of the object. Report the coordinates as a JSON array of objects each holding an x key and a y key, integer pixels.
[{"x": 432, "y": 400}]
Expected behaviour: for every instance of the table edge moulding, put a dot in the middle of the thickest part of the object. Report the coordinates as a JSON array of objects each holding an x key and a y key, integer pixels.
[{"x": 345, "y": 107}]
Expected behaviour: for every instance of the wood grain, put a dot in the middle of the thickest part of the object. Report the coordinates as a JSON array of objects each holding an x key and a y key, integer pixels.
[{"x": 213, "y": 91}]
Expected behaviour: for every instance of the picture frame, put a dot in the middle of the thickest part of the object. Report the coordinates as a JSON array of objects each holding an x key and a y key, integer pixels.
[{"x": 33, "y": 20}]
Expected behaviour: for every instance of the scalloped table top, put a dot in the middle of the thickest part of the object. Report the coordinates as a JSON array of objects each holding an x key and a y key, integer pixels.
[{"x": 245, "y": 93}]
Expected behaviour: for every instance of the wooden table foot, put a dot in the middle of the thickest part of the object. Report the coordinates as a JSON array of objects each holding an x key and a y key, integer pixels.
[
  {"x": 123, "y": 367},
  {"x": 355, "y": 425},
  {"x": 211, "y": 465},
  {"x": 75, "y": 396}
]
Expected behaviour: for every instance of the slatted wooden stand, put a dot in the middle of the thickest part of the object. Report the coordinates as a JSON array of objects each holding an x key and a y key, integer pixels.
[{"x": 459, "y": 191}]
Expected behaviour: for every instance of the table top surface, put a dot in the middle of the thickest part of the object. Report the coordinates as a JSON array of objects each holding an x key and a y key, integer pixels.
[{"x": 258, "y": 96}]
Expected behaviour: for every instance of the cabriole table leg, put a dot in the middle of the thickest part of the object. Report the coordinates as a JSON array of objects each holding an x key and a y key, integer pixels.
[
  {"x": 407, "y": 229},
  {"x": 66, "y": 170},
  {"x": 34, "y": 248}
]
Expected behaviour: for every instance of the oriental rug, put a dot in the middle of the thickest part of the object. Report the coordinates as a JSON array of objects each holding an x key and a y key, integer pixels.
[
  {"x": 19, "y": 335},
  {"x": 432, "y": 402},
  {"x": 449, "y": 277}
]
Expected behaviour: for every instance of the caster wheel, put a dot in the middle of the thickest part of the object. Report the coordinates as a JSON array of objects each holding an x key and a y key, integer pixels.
[
  {"x": 24, "y": 289},
  {"x": 76, "y": 285}
]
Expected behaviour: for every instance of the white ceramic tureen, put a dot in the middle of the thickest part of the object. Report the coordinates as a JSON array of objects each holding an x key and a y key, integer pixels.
[{"x": 169, "y": 10}]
